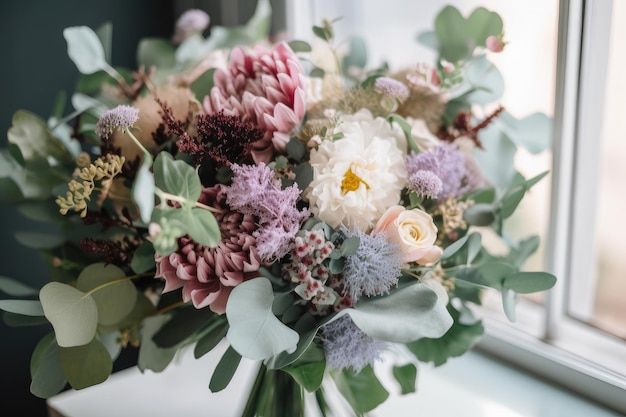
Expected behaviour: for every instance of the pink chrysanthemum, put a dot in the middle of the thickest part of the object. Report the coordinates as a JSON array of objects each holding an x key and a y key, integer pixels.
[
  {"x": 264, "y": 87},
  {"x": 208, "y": 275}
]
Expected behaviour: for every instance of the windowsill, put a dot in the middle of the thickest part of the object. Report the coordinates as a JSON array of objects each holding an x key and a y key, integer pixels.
[{"x": 473, "y": 385}]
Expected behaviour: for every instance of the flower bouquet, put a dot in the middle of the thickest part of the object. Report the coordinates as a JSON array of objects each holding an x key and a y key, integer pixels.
[{"x": 276, "y": 196}]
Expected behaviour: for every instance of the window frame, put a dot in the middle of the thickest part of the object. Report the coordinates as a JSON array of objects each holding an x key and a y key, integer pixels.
[{"x": 546, "y": 340}]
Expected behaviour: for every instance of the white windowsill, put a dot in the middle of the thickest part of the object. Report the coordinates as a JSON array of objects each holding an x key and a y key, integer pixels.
[{"x": 470, "y": 386}]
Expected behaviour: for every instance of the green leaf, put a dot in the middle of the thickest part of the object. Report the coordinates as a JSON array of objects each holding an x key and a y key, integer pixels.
[
  {"x": 300, "y": 46},
  {"x": 458, "y": 340},
  {"x": 15, "y": 288},
  {"x": 18, "y": 320},
  {"x": 474, "y": 245},
  {"x": 453, "y": 37},
  {"x": 143, "y": 191},
  {"x": 405, "y": 315},
  {"x": 322, "y": 33},
  {"x": 487, "y": 81},
  {"x": 39, "y": 240},
  {"x": 82, "y": 103},
  {"x": 363, "y": 391},
  {"x": 309, "y": 376},
  {"x": 87, "y": 365},
  {"x": 493, "y": 273},
  {"x": 496, "y": 161},
  {"x": 47, "y": 375},
  {"x": 483, "y": 23},
  {"x": 528, "y": 282},
  {"x": 509, "y": 298},
  {"x": 184, "y": 323},
  {"x": 211, "y": 339},
  {"x": 225, "y": 370},
  {"x": 518, "y": 255},
  {"x": 533, "y": 133},
  {"x": 406, "y": 128},
  {"x": 23, "y": 307},
  {"x": 115, "y": 300},
  {"x": 356, "y": 56},
  {"x": 480, "y": 214},
  {"x": 151, "y": 356},
  {"x": 30, "y": 133},
  {"x": 406, "y": 376},
  {"x": 454, "y": 248},
  {"x": 295, "y": 149},
  {"x": 73, "y": 314},
  {"x": 85, "y": 49},
  {"x": 258, "y": 26},
  {"x": 156, "y": 52},
  {"x": 40, "y": 211},
  {"x": 284, "y": 359},
  {"x": 202, "y": 226},
  {"x": 203, "y": 84},
  {"x": 429, "y": 39},
  {"x": 511, "y": 200},
  {"x": 143, "y": 258},
  {"x": 350, "y": 245},
  {"x": 176, "y": 177},
  {"x": 105, "y": 34},
  {"x": 254, "y": 330}
]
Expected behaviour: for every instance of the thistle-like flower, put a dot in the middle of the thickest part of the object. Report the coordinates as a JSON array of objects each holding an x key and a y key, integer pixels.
[
  {"x": 122, "y": 117},
  {"x": 190, "y": 22},
  {"x": 425, "y": 183}
]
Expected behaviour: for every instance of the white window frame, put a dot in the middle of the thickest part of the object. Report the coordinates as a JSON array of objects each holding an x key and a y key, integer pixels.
[{"x": 547, "y": 340}]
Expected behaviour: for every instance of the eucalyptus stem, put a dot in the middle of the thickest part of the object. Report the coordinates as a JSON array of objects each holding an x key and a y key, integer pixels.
[
  {"x": 253, "y": 397},
  {"x": 182, "y": 200},
  {"x": 115, "y": 281}
]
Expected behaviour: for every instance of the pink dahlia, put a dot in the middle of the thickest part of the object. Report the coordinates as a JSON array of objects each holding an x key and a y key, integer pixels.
[
  {"x": 265, "y": 87},
  {"x": 208, "y": 275}
]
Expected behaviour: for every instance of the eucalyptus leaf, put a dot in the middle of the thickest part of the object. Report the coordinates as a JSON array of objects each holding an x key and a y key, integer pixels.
[
  {"x": 403, "y": 316},
  {"x": 24, "y": 307},
  {"x": 85, "y": 49},
  {"x": 87, "y": 365},
  {"x": 511, "y": 200},
  {"x": 73, "y": 314},
  {"x": 533, "y": 133},
  {"x": 151, "y": 357},
  {"x": 202, "y": 226},
  {"x": 254, "y": 330},
  {"x": 309, "y": 376},
  {"x": 15, "y": 288},
  {"x": 35, "y": 240},
  {"x": 356, "y": 56},
  {"x": 496, "y": 160},
  {"x": 19, "y": 320},
  {"x": 258, "y": 26},
  {"x": 225, "y": 370},
  {"x": 480, "y": 214},
  {"x": 529, "y": 282},
  {"x": 452, "y": 34},
  {"x": 483, "y": 23},
  {"x": 30, "y": 133},
  {"x": 183, "y": 323},
  {"x": 429, "y": 39},
  {"x": 211, "y": 339},
  {"x": 363, "y": 391},
  {"x": 474, "y": 245},
  {"x": 143, "y": 258},
  {"x": 82, "y": 103},
  {"x": 47, "y": 375},
  {"x": 143, "y": 191},
  {"x": 406, "y": 375},
  {"x": 300, "y": 46},
  {"x": 105, "y": 34},
  {"x": 176, "y": 177},
  {"x": 454, "y": 248},
  {"x": 509, "y": 298},
  {"x": 156, "y": 52},
  {"x": 487, "y": 81},
  {"x": 114, "y": 299}
]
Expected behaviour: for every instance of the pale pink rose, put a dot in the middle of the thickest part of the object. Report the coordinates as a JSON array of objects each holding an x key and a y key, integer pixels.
[{"x": 414, "y": 231}]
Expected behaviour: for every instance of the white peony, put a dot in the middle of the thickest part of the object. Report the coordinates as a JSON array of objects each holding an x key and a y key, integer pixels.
[{"x": 357, "y": 178}]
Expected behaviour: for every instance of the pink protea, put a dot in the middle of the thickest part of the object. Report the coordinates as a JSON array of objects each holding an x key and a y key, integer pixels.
[
  {"x": 208, "y": 275},
  {"x": 265, "y": 87}
]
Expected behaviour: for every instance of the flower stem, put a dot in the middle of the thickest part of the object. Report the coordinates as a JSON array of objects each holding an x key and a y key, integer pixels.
[
  {"x": 115, "y": 281},
  {"x": 182, "y": 200}
]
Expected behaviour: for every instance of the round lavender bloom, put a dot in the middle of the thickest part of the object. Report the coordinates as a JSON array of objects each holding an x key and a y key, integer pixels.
[
  {"x": 449, "y": 164},
  {"x": 425, "y": 184},
  {"x": 190, "y": 22},
  {"x": 120, "y": 117},
  {"x": 374, "y": 268},
  {"x": 392, "y": 88},
  {"x": 347, "y": 346}
]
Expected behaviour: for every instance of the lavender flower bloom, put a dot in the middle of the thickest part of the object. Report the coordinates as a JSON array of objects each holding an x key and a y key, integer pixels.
[
  {"x": 347, "y": 346},
  {"x": 255, "y": 191},
  {"x": 374, "y": 268},
  {"x": 447, "y": 163},
  {"x": 190, "y": 22},
  {"x": 426, "y": 184},
  {"x": 120, "y": 117},
  {"x": 392, "y": 88}
]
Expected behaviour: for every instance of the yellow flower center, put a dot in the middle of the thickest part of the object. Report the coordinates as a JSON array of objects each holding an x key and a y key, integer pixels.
[{"x": 351, "y": 182}]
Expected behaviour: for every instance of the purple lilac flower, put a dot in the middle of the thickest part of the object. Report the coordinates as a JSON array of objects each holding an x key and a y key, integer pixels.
[
  {"x": 426, "y": 184},
  {"x": 347, "y": 346},
  {"x": 120, "y": 117},
  {"x": 374, "y": 268},
  {"x": 255, "y": 191},
  {"x": 449, "y": 164}
]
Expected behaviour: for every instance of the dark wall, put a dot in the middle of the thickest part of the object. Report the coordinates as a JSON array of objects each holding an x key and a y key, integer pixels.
[{"x": 34, "y": 67}]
